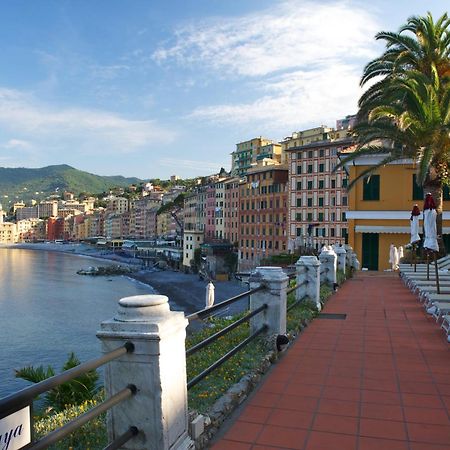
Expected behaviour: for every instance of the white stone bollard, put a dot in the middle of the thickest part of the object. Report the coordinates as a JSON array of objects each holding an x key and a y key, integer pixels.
[
  {"x": 158, "y": 369},
  {"x": 274, "y": 296},
  {"x": 341, "y": 258},
  {"x": 328, "y": 261},
  {"x": 308, "y": 277}
]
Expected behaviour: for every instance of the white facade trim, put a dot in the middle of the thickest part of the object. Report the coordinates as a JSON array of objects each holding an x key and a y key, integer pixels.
[{"x": 386, "y": 215}]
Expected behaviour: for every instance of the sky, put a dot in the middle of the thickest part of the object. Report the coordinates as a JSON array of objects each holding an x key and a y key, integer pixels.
[{"x": 157, "y": 88}]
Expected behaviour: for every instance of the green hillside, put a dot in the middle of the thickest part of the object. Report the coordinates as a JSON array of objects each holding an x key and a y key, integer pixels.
[{"x": 25, "y": 184}]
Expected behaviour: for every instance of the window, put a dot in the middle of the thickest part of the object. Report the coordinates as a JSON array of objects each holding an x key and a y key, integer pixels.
[
  {"x": 344, "y": 217},
  {"x": 332, "y": 232},
  {"x": 321, "y": 167},
  {"x": 321, "y": 184},
  {"x": 298, "y": 217},
  {"x": 310, "y": 168},
  {"x": 310, "y": 184},
  {"x": 333, "y": 184},
  {"x": 299, "y": 202},
  {"x": 299, "y": 169},
  {"x": 320, "y": 201},
  {"x": 309, "y": 217},
  {"x": 344, "y": 201},
  {"x": 320, "y": 217},
  {"x": 310, "y": 154},
  {"x": 322, "y": 153},
  {"x": 445, "y": 193},
  {"x": 299, "y": 231},
  {"x": 344, "y": 182},
  {"x": 417, "y": 191},
  {"x": 299, "y": 185},
  {"x": 310, "y": 201},
  {"x": 371, "y": 188}
]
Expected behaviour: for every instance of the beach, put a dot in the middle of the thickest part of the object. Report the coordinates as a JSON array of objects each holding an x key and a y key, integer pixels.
[{"x": 186, "y": 292}]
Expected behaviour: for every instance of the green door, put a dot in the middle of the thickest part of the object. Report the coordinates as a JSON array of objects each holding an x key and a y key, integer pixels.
[{"x": 370, "y": 251}]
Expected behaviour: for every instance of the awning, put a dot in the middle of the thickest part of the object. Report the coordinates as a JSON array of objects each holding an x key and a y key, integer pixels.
[{"x": 391, "y": 230}]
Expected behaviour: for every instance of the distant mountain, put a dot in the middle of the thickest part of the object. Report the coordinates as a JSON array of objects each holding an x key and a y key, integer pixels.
[{"x": 24, "y": 184}]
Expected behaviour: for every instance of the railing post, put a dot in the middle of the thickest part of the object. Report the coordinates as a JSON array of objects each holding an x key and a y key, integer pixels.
[
  {"x": 328, "y": 259},
  {"x": 158, "y": 369},
  {"x": 341, "y": 258},
  {"x": 308, "y": 277},
  {"x": 274, "y": 296}
]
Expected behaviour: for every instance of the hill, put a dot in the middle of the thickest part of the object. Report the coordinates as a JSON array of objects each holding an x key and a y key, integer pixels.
[{"x": 24, "y": 184}]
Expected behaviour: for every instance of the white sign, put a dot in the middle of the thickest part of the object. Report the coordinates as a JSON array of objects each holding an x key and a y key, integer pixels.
[{"x": 15, "y": 430}]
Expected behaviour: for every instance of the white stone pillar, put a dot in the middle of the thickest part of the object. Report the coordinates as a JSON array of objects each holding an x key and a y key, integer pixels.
[
  {"x": 308, "y": 277},
  {"x": 276, "y": 282},
  {"x": 158, "y": 369},
  {"x": 348, "y": 256},
  {"x": 341, "y": 258},
  {"x": 328, "y": 261}
]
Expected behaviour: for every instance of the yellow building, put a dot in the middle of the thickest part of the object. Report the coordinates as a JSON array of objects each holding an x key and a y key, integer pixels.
[{"x": 380, "y": 209}]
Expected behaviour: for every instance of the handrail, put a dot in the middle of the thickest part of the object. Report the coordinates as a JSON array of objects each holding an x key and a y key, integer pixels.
[
  {"x": 294, "y": 288},
  {"x": 214, "y": 337},
  {"x": 208, "y": 311},
  {"x": 79, "y": 421},
  {"x": 225, "y": 357},
  {"x": 122, "y": 439},
  {"x": 24, "y": 397}
]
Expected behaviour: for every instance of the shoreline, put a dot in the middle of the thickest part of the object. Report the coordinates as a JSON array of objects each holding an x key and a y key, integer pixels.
[{"x": 186, "y": 292}]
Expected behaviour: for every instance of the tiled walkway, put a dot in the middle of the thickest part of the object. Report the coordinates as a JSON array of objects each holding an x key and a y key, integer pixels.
[{"x": 379, "y": 380}]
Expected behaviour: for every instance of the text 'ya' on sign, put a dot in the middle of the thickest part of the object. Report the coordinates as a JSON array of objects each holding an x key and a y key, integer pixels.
[{"x": 15, "y": 430}]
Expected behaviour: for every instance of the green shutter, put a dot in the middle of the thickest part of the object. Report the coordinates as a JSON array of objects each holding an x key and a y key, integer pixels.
[
  {"x": 371, "y": 187},
  {"x": 417, "y": 191}
]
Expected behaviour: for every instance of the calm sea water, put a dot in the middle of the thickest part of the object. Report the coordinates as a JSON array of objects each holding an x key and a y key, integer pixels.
[{"x": 47, "y": 310}]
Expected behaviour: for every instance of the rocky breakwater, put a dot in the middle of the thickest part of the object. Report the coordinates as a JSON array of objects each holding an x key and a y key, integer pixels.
[{"x": 107, "y": 270}]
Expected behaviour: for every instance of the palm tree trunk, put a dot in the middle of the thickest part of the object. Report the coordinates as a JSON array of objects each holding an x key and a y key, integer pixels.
[{"x": 435, "y": 188}]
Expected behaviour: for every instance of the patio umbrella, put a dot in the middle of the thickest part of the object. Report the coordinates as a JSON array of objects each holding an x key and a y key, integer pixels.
[
  {"x": 429, "y": 224},
  {"x": 415, "y": 213},
  {"x": 400, "y": 253},
  {"x": 209, "y": 294},
  {"x": 393, "y": 257}
]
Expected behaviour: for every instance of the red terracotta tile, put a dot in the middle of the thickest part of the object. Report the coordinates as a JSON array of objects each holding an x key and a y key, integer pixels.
[
  {"x": 368, "y": 443},
  {"x": 341, "y": 393},
  {"x": 272, "y": 386},
  {"x": 417, "y": 388},
  {"x": 282, "y": 437},
  {"x": 382, "y": 429},
  {"x": 420, "y": 446},
  {"x": 331, "y": 406},
  {"x": 427, "y": 433},
  {"x": 228, "y": 445},
  {"x": 421, "y": 400},
  {"x": 380, "y": 385},
  {"x": 298, "y": 403},
  {"x": 380, "y": 411},
  {"x": 255, "y": 414},
  {"x": 347, "y": 382},
  {"x": 319, "y": 440},
  {"x": 265, "y": 399},
  {"x": 291, "y": 419},
  {"x": 426, "y": 415},
  {"x": 243, "y": 432},
  {"x": 335, "y": 424},
  {"x": 307, "y": 390},
  {"x": 383, "y": 397}
]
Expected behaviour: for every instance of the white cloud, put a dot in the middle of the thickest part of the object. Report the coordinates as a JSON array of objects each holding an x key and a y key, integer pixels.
[
  {"x": 298, "y": 63},
  {"x": 17, "y": 144},
  {"x": 78, "y": 129},
  {"x": 290, "y": 35}
]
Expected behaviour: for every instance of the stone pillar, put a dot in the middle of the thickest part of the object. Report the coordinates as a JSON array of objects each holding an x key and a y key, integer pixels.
[
  {"x": 274, "y": 296},
  {"x": 341, "y": 258},
  {"x": 308, "y": 277},
  {"x": 348, "y": 256},
  {"x": 328, "y": 261},
  {"x": 158, "y": 369}
]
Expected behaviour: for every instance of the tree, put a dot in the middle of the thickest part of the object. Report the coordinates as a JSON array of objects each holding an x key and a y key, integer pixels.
[
  {"x": 73, "y": 392},
  {"x": 406, "y": 114}
]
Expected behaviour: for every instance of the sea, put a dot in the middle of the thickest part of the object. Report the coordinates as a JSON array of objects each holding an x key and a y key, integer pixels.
[{"x": 48, "y": 311}]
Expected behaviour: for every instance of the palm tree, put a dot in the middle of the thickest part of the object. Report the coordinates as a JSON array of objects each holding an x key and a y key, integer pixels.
[
  {"x": 406, "y": 114},
  {"x": 73, "y": 392}
]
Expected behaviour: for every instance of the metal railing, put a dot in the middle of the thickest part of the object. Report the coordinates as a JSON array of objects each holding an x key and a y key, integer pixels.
[
  {"x": 213, "y": 338},
  {"x": 25, "y": 397}
]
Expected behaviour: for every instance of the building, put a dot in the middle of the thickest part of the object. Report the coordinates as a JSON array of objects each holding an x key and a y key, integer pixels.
[
  {"x": 219, "y": 191},
  {"x": 250, "y": 152},
  {"x": 380, "y": 209},
  {"x": 116, "y": 205},
  {"x": 231, "y": 210},
  {"x": 262, "y": 214},
  {"x": 192, "y": 240},
  {"x": 305, "y": 137},
  {"x": 318, "y": 200}
]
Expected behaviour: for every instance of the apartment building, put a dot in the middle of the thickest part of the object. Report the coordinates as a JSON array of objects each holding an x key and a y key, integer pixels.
[
  {"x": 117, "y": 205},
  {"x": 192, "y": 240},
  {"x": 219, "y": 191},
  {"x": 262, "y": 214},
  {"x": 248, "y": 153},
  {"x": 231, "y": 209}
]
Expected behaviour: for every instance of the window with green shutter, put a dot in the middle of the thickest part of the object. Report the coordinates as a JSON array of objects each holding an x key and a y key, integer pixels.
[
  {"x": 417, "y": 190},
  {"x": 299, "y": 202},
  {"x": 445, "y": 193},
  {"x": 321, "y": 167},
  {"x": 371, "y": 188},
  {"x": 320, "y": 201},
  {"x": 310, "y": 202},
  {"x": 299, "y": 185},
  {"x": 310, "y": 184},
  {"x": 321, "y": 184}
]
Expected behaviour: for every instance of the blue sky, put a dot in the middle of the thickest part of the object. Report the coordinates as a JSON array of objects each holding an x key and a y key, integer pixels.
[{"x": 154, "y": 88}]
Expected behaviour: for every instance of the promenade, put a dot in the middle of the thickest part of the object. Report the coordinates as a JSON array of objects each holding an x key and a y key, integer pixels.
[{"x": 377, "y": 380}]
